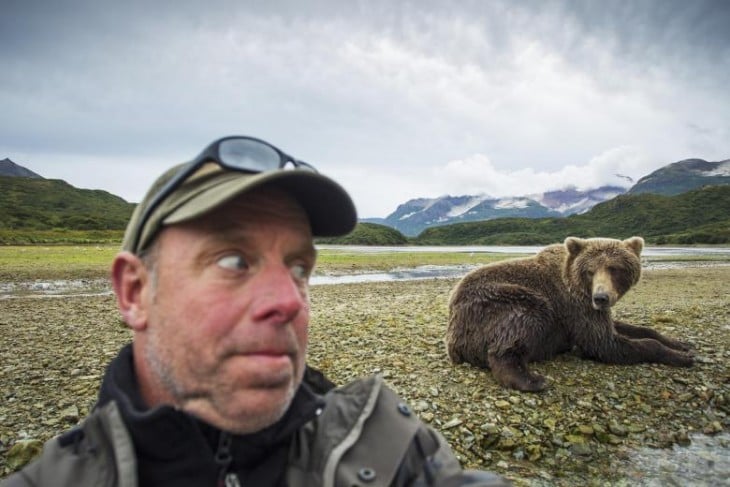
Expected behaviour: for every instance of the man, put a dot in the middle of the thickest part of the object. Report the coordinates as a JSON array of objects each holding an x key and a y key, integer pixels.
[{"x": 213, "y": 281}]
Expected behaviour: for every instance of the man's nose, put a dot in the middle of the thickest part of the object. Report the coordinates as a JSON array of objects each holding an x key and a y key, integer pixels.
[{"x": 279, "y": 296}]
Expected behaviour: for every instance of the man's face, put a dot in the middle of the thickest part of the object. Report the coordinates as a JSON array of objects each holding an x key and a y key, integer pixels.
[{"x": 226, "y": 333}]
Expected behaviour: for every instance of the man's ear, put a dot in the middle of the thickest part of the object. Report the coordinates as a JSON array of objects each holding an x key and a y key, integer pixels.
[{"x": 130, "y": 279}]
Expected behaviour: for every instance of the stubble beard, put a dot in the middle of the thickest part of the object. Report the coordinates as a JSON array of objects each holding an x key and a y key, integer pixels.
[{"x": 198, "y": 402}]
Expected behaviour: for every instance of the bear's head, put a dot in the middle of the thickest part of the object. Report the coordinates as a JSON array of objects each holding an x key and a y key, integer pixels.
[{"x": 602, "y": 269}]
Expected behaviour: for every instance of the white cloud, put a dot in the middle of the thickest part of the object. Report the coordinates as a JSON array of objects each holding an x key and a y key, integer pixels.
[
  {"x": 388, "y": 97},
  {"x": 477, "y": 174}
]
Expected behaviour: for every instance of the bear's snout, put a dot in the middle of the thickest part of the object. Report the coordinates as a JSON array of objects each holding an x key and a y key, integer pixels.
[
  {"x": 601, "y": 300},
  {"x": 603, "y": 295}
]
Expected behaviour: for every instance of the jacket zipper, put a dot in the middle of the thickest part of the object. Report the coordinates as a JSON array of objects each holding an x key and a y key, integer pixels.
[{"x": 224, "y": 458}]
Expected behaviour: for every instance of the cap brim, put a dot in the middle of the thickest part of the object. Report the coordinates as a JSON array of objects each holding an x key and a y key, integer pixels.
[{"x": 330, "y": 209}]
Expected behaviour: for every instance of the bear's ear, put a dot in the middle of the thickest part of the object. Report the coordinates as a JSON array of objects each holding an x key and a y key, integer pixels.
[
  {"x": 574, "y": 245},
  {"x": 635, "y": 244}
]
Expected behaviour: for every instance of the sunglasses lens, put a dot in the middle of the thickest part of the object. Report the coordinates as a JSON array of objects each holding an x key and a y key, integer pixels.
[{"x": 248, "y": 155}]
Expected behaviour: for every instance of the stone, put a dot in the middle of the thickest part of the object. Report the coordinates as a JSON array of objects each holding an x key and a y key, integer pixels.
[{"x": 22, "y": 452}]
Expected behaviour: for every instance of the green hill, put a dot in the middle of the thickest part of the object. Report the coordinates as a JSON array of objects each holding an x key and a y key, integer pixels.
[
  {"x": 46, "y": 204},
  {"x": 699, "y": 216},
  {"x": 37, "y": 210},
  {"x": 683, "y": 176},
  {"x": 368, "y": 234}
]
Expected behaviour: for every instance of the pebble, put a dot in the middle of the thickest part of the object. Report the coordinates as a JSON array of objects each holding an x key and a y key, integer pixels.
[
  {"x": 22, "y": 452},
  {"x": 452, "y": 423},
  {"x": 421, "y": 406},
  {"x": 581, "y": 449},
  {"x": 70, "y": 414},
  {"x": 617, "y": 429}
]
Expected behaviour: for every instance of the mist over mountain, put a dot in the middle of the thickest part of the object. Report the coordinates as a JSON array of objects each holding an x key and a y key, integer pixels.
[{"x": 414, "y": 216}]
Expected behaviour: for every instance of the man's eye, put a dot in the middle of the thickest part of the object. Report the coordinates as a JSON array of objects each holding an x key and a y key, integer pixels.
[
  {"x": 300, "y": 272},
  {"x": 232, "y": 262}
]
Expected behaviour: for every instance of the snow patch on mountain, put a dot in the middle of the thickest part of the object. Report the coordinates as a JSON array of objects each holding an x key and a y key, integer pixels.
[
  {"x": 580, "y": 206},
  {"x": 512, "y": 203},
  {"x": 723, "y": 169},
  {"x": 458, "y": 210}
]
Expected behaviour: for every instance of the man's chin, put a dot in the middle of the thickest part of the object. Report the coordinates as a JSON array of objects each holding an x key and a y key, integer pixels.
[{"x": 255, "y": 409}]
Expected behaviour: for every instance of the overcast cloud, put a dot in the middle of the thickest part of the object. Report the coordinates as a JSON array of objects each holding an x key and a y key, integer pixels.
[{"x": 394, "y": 99}]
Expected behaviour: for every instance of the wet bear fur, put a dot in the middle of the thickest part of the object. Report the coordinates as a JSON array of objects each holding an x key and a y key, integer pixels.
[{"x": 504, "y": 315}]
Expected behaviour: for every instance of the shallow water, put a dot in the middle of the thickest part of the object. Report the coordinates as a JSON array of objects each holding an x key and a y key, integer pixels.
[
  {"x": 411, "y": 274},
  {"x": 57, "y": 288},
  {"x": 705, "y": 462},
  {"x": 448, "y": 272},
  {"x": 520, "y": 249}
]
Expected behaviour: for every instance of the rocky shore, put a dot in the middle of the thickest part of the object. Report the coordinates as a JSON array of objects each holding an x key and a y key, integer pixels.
[{"x": 583, "y": 431}]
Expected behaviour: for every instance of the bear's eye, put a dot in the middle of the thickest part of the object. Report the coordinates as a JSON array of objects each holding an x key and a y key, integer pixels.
[
  {"x": 589, "y": 273},
  {"x": 613, "y": 269}
]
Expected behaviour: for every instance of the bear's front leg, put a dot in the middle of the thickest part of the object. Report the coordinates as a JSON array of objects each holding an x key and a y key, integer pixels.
[
  {"x": 510, "y": 370},
  {"x": 619, "y": 349},
  {"x": 636, "y": 331}
]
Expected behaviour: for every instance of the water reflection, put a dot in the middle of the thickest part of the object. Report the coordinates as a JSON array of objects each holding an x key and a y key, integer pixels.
[{"x": 420, "y": 272}]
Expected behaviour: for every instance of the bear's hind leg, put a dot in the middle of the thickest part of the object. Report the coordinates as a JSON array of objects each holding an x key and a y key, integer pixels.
[{"x": 510, "y": 370}]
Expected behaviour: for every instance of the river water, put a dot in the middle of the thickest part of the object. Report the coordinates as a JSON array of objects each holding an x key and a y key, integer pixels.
[
  {"x": 705, "y": 462},
  {"x": 522, "y": 249}
]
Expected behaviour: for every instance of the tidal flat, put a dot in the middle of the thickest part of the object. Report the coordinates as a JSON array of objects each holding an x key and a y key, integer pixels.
[{"x": 584, "y": 430}]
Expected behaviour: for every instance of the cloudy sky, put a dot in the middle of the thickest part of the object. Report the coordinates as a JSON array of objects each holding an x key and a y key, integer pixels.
[{"x": 394, "y": 99}]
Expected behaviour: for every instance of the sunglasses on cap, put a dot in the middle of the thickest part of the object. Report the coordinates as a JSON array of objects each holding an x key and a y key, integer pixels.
[{"x": 235, "y": 153}]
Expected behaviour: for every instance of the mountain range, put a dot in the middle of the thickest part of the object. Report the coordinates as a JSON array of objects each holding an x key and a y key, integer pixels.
[
  {"x": 414, "y": 216},
  {"x": 27, "y": 200}
]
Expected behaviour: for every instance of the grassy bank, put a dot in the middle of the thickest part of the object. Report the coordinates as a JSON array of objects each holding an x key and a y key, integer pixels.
[
  {"x": 92, "y": 261},
  {"x": 53, "y": 352}
]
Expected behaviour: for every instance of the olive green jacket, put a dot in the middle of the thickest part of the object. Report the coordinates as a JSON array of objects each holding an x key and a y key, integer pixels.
[{"x": 365, "y": 436}]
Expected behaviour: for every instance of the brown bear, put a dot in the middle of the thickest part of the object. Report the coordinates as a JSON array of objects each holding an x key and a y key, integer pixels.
[{"x": 509, "y": 313}]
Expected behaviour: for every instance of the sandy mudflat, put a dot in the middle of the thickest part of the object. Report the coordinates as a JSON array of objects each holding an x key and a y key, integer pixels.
[{"x": 582, "y": 431}]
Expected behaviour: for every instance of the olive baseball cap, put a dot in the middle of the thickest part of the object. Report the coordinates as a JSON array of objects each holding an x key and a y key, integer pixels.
[{"x": 330, "y": 209}]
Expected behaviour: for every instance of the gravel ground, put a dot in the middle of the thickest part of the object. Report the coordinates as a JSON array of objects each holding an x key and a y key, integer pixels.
[{"x": 587, "y": 429}]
